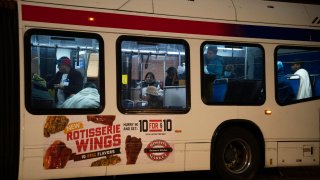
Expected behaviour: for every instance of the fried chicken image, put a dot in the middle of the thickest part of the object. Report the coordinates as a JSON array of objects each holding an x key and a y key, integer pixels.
[
  {"x": 107, "y": 161},
  {"x": 55, "y": 124},
  {"x": 102, "y": 119},
  {"x": 133, "y": 148},
  {"x": 57, "y": 155}
]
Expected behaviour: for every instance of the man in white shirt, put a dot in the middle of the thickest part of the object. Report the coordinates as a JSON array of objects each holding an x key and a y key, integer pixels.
[{"x": 305, "y": 90}]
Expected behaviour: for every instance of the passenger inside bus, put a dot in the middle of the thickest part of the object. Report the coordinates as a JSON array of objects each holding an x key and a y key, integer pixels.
[
  {"x": 305, "y": 90},
  {"x": 213, "y": 63},
  {"x": 241, "y": 81},
  {"x": 71, "y": 84},
  {"x": 229, "y": 71},
  {"x": 285, "y": 91},
  {"x": 153, "y": 97},
  {"x": 88, "y": 97},
  {"x": 150, "y": 80},
  {"x": 58, "y": 93},
  {"x": 213, "y": 69},
  {"x": 172, "y": 77},
  {"x": 40, "y": 96},
  {"x": 154, "y": 75}
]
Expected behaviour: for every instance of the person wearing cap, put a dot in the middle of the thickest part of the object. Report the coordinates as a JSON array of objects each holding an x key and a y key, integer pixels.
[
  {"x": 172, "y": 77},
  {"x": 305, "y": 90},
  {"x": 213, "y": 63},
  {"x": 67, "y": 81},
  {"x": 285, "y": 92}
]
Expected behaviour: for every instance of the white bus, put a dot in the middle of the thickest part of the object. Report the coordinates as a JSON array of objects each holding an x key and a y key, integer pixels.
[{"x": 229, "y": 86}]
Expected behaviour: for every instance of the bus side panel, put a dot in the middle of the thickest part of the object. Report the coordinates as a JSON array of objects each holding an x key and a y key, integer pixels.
[{"x": 298, "y": 153}]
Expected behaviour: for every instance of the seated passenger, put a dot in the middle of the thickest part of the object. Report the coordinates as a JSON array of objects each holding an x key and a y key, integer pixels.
[
  {"x": 86, "y": 98},
  {"x": 229, "y": 71},
  {"x": 149, "y": 80},
  {"x": 40, "y": 95},
  {"x": 153, "y": 97},
  {"x": 285, "y": 91}
]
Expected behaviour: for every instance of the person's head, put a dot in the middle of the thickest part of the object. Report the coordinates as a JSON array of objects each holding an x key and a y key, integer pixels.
[
  {"x": 212, "y": 51},
  {"x": 172, "y": 72},
  {"x": 149, "y": 78},
  {"x": 228, "y": 70},
  {"x": 296, "y": 65},
  {"x": 280, "y": 66},
  {"x": 64, "y": 64}
]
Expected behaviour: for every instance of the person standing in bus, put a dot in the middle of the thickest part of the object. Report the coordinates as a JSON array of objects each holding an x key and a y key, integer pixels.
[
  {"x": 213, "y": 69},
  {"x": 305, "y": 90},
  {"x": 213, "y": 63},
  {"x": 285, "y": 91},
  {"x": 58, "y": 78},
  {"x": 67, "y": 80}
]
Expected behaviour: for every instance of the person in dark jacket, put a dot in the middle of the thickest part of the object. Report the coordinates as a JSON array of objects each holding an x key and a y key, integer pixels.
[
  {"x": 67, "y": 80},
  {"x": 150, "y": 80},
  {"x": 172, "y": 77},
  {"x": 285, "y": 91}
]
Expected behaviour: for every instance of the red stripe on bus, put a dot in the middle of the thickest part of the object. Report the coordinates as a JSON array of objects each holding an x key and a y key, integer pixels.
[
  {"x": 122, "y": 21},
  {"x": 154, "y": 120},
  {"x": 155, "y": 130}
]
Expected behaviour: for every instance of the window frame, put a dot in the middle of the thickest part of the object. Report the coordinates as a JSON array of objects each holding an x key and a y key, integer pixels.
[
  {"x": 276, "y": 74},
  {"x": 27, "y": 72},
  {"x": 119, "y": 75},
  {"x": 263, "y": 78}
]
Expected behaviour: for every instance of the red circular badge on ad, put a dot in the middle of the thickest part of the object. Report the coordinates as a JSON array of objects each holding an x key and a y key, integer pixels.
[{"x": 158, "y": 150}]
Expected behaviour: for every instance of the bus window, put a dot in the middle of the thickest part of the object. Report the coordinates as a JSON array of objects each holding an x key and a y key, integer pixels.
[
  {"x": 298, "y": 74},
  {"x": 153, "y": 75},
  {"x": 232, "y": 74},
  {"x": 63, "y": 70}
]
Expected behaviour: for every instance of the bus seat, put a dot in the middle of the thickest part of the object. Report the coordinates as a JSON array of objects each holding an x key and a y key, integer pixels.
[
  {"x": 219, "y": 90},
  {"x": 127, "y": 103},
  {"x": 294, "y": 83},
  {"x": 174, "y": 97},
  {"x": 244, "y": 92},
  {"x": 41, "y": 99}
]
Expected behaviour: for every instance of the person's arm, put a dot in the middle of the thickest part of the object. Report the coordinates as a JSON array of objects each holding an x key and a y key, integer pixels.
[
  {"x": 75, "y": 83},
  {"x": 175, "y": 80},
  {"x": 223, "y": 66},
  {"x": 167, "y": 81},
  {"x": 55, "y": 80}
]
